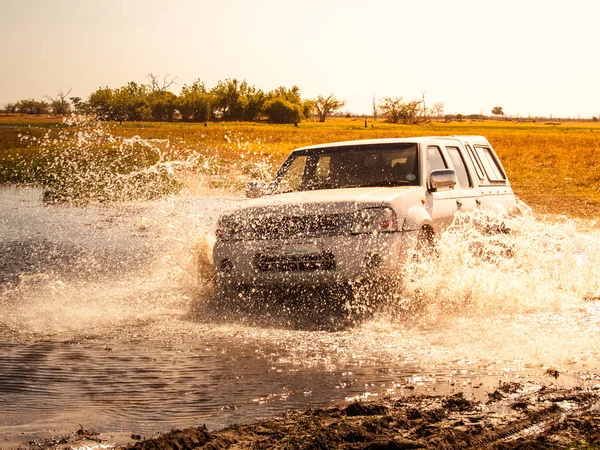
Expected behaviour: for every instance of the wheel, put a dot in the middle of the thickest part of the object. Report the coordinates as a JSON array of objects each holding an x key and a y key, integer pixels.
[
  {"x": 425, "y": 248},
  {"x": 227, "y": 296}
]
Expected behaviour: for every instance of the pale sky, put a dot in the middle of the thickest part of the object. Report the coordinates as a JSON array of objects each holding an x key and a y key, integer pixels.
[{"x": 530, "y": 57}]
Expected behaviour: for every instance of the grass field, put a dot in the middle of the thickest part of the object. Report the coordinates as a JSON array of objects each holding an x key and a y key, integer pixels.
[{"x": 555, "y": 168}]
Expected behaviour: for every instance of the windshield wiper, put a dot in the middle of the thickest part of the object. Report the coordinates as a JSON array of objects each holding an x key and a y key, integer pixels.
[{"x": 316, "y": 187}]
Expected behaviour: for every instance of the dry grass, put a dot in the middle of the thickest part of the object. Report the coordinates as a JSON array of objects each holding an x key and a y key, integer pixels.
[{"x": 554, "y": 168}]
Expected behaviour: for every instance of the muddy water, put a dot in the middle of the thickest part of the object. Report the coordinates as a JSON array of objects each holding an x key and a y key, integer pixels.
[{"x": 104, "y": 322}]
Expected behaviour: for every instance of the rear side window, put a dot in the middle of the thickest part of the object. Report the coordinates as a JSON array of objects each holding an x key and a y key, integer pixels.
[
  {"x": 475, "y": 162},
  {"x": 490, "y": 164},
  {"x": 462, "y": 175},
  {"x": 435, "y": 160}
]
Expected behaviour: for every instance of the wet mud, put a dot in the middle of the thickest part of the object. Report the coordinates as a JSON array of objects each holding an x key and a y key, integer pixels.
[{"x": 514, "y": 416}]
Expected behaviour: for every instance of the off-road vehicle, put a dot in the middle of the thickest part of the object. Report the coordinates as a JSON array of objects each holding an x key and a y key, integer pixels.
[{"x": 348, "y": 213}]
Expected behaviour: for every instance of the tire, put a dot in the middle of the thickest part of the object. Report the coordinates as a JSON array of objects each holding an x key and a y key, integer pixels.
[{"x": 425, "y": 248}]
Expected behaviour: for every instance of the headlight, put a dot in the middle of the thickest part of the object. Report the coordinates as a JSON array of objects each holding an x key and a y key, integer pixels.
[
  {"x": 227, "y": 228},
  {"x": 375, "y": 220}
]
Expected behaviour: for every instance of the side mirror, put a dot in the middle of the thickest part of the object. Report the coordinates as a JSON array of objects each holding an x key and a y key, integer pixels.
[
  {"x": 255, "y": 189},
  {"x": 442, "y": 179}
]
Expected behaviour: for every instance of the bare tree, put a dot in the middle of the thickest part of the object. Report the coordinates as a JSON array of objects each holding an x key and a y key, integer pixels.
[
  {"x": 438, "y": 109},
  {"x": 60, "y": 104},
  {"x": 155, "y": 85},
  {"x": 375, "y": 108},
  {"x": 327, "y": 105},
  {"x": 391, "y": 108},
  {"x": 397, "y": 110},
  {"x": 10, "y": 107}
]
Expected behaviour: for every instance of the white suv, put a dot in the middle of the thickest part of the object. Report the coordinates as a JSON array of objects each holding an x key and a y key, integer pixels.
[{"x": 349, "y": 212}]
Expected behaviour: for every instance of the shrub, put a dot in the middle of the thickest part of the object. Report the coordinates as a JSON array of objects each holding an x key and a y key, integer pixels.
[{"x": 280, "y": 110}]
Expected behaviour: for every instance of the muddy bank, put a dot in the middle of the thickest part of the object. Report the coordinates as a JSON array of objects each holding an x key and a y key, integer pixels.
[{"x": 514, "y": 416}]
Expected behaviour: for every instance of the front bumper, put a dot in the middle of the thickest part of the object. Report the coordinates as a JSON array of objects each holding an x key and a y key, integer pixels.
[{"x": 323, "y": 260}]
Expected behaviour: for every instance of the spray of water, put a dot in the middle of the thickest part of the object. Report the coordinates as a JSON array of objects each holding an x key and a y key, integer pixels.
[
  {"x": 493, "y": 265},
  {"x": 504, "y": 289},
  {"x": 501, "y": 288},
  {"x": 85, "y": 160},
  {"x": 118, "y": 297}
]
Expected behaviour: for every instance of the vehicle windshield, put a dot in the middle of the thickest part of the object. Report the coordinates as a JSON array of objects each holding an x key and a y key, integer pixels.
[{"x": 349, "y": 166}]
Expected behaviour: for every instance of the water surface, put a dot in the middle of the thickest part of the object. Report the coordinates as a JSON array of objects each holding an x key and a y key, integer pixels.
[{"x": 104, "y": 322}]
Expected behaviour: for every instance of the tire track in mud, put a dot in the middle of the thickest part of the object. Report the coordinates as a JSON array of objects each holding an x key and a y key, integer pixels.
[{"x": 536, "y": 424}]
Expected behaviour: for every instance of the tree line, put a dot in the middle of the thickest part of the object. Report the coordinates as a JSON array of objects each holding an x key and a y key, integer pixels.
[{"x": 229, "y": 100}]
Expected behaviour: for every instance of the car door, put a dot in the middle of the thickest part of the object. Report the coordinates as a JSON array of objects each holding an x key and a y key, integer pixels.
[
  {"x": 440, "y": 204},
  {"x": 468, "y": 196}
]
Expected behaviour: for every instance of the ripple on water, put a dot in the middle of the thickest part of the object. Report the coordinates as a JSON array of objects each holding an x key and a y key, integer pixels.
[{"x": 100, "y": 323}]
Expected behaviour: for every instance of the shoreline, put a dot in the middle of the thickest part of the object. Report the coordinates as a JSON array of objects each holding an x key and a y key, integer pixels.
[{"x": 515, "y": 415}]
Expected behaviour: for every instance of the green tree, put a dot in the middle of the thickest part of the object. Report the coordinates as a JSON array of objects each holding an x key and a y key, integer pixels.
[
  {"x": 31, "y": 106},
  {"x": 229, "y": 99},
  {"x": 254, "y": 104},
  {"x": 497, "y": 111},
  {"x": 128, "y": 102},
  {"x": 326, "y": 105},
  {"x": 132, "y": 102},
  {"x": 79, "y": 104},
  {"x": 308, "y": 107},
  {"x": 280, "y": 110},
  {"x": 194, "y": 102},
  {"x": 293, "y": 96},
  {"x": 162, "y": 105},
  {"x": 101, "y": 103}
]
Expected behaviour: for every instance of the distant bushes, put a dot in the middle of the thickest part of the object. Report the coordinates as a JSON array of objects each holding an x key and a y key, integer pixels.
[
  {"x": 229, "y": 100},
  {"x": 27, "y": 106}
]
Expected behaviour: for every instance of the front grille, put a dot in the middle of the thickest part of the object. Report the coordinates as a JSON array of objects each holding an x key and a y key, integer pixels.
[
  {"x": 294, "y": 263},
  {"x": 270, "y": 227}
]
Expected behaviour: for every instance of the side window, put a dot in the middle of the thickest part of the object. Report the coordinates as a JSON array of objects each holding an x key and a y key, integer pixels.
[
  {"x": 435, "y": 160},
  {"x": 475, "y": 162},
  {"x": 322, "y": 167},
  {"x": 490, "y": 164},
  {"x": 462, "y": 175}
]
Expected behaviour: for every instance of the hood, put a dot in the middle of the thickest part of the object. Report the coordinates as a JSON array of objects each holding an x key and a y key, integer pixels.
[{"x": 330, "y": 201}]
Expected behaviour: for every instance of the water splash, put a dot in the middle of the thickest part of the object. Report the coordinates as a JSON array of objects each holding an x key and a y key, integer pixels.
[
  {"x": 86, "y": 161},
  {"x": 487, "y": 264},
  {"x": 127, "y": 318},
  {"x": 499, "y": 288},
  {"x": 73, "y": 269}
]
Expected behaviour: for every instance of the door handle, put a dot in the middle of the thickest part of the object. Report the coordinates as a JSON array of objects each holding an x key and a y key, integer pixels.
[
  {"x": 478, "y": 201},
  {"x": 459, "y": 203}
]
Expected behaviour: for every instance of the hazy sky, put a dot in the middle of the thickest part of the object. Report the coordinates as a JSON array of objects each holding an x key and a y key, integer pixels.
[{"x": 530, "y": 57}]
